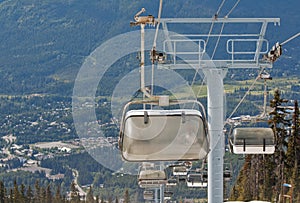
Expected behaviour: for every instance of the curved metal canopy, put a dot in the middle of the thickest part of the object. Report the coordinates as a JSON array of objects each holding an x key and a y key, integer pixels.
[{"x": 159, "y": 135}]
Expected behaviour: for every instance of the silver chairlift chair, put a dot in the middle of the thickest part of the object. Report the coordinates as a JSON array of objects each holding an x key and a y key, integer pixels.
[
  {"x": 197, "y": 179},
  {"x": 227, "y": 173},
  {"x": 163, "y": 135},
  {"x": 171, "y": 182},
  {"x": 150, "y": 177},
  {"x": 253, "y": 141},
  {"x": 180, "y": 170},
  {"x": 148, "y": 194},
  {"x": 168, "y": 194}
]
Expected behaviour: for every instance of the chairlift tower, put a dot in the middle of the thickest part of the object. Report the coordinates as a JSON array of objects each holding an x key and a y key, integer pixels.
[{"x": 235, "y": 55}]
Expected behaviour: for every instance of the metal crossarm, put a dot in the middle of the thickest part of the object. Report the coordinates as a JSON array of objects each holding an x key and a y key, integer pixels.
[{"x": 234, "y": 54}]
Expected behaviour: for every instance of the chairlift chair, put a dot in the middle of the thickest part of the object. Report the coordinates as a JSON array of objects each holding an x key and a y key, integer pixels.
[
  {"x": 163, "y": 135},
  {"x": 150, "y": 177},
  {"x": 168, "y": 194},
  {"x": 148, "y": 194},
  {"x": 180, "y": 171},
  {"x": 197, "y": 179},
  {"x": 252, "y": 141},
  {"x": 171, "y": 182},
  {"x": 227, "y": 173}
]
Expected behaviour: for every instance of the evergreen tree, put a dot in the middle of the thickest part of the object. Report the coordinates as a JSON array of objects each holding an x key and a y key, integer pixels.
[
  {"x": 22, "y": 193},
  {"x": 11, "y": 196},
  {"x": 74, "y": 196},
  {"x": 97, "y": 199},
  {"x": 247, "y": 179},
  {"x": 126, "y": 197},
  {"x": 234, "y": 194},
  {"x": 29, "y": 194},
  {"x": 279, "y": 123},
  {"x": 37, "y": 195},
  {"x": 43, "y": 194},
  {"x": 2, "y": 192},
  {"x": 48, "y": 194},
  {"x": 269, "y": 177},
  {"x": 291, "y": 150},
  {"x": 296, "y": 133},
  {"x": 16, "y": 194},
  {"x": 241, "y": 190},
  {"x": 89, "y": 195},
  {"x": 58, "y": 198},
  {"x": 110, "y": 199},
  {"x": 294, "y": 155}
]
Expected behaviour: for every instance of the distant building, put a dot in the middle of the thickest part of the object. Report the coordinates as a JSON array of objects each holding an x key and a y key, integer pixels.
[{"x": 65, "y": 149}]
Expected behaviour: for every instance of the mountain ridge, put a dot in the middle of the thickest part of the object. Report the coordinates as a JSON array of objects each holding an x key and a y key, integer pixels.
[{"x": 45, "y": 43}]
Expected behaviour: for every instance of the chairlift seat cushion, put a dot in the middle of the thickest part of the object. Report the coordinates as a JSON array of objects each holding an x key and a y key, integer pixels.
[{"x": 160, "y": 135}]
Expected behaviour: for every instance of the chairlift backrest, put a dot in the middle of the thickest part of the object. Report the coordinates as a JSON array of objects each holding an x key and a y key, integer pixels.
[
  {"x": 164, "y": 135},
  {"x": 253, "y": 141}
]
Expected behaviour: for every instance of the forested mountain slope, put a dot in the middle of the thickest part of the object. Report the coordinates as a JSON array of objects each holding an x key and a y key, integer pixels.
[{"x": 44, "y": 43}]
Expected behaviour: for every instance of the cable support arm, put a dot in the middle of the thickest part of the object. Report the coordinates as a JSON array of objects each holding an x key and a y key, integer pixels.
[{"x": 291, "y": 38}]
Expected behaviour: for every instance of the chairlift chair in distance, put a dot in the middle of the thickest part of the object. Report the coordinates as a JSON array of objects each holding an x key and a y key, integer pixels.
[
  {"x": 171, "y": 182},
  {"x": 227, "y": 173},
  {"x": 180, "y": 170},
  {"x": 150, "y": 177},
  {"x": 148, "y": 194},
  {"x": 168, "y": 194},
  {"x": 197, "y": 179},
  {"x": 253, "y": 141},
  {"x": 163, "y": 135}
]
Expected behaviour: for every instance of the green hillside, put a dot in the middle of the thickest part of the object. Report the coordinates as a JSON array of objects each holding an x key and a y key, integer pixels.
[{"x": 44, "y": 43}]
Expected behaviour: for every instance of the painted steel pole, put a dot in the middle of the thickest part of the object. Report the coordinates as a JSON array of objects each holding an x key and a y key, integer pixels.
[
  {"x": 215, "y": 108},
  {"x": 162, "y": 189},
  {"x": 156, "y": 195}
]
